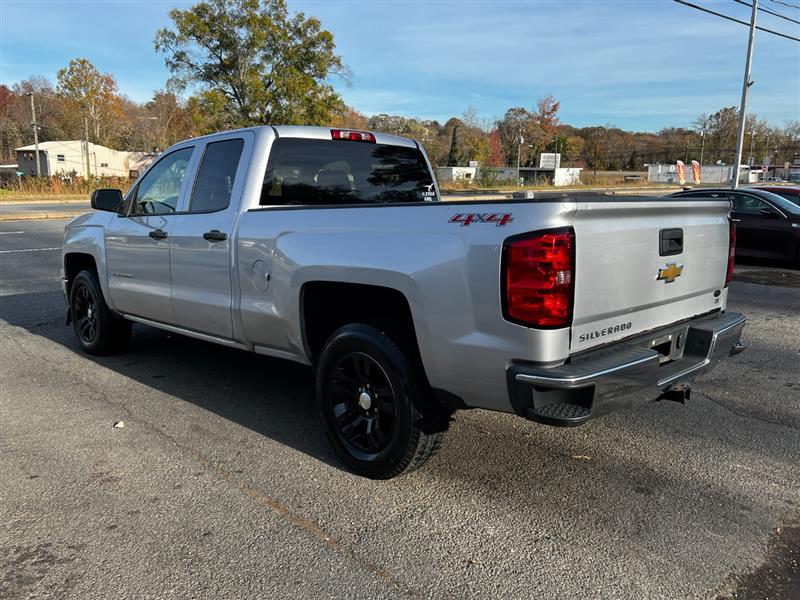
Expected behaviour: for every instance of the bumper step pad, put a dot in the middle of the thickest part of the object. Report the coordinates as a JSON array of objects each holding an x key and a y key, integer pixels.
[{"x": 560, "y": 414}]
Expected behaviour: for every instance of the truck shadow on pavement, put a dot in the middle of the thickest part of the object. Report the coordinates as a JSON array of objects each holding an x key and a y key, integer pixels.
[{"x": 272, "y": 397}]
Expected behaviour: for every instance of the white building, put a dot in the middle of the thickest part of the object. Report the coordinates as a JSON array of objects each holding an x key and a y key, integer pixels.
[
  {"x": 66, "y": 157},
  {"x": 557, "y": 176},
  {"x": 460, "y": 174}
]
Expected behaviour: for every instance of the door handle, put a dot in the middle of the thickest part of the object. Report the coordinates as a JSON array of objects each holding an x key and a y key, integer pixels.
[
  {"x": 158, "y": 234},
  {"x": 215, "y": 235},
  {"x": 736, "y": 220}
]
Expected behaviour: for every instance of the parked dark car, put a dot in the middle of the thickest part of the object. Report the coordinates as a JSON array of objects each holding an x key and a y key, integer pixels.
[
  {"x": 792, "y": 194},
  {"x": 767, "y": 225}
]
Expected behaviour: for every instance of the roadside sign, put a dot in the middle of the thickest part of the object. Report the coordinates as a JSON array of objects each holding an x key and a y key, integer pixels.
[
  {"x": 764, "y": 169},
  {"x": 549, "y": 160}
]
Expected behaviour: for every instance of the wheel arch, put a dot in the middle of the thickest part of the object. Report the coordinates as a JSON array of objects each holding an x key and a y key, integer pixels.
[
  {"x": 74, "y": 263},
  {"x": 84, "y": 247},
  {"x": 325, "y": 306}
]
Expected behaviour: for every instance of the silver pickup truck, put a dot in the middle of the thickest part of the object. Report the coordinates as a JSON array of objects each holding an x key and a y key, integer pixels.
[{"x": 332, "y": 248}]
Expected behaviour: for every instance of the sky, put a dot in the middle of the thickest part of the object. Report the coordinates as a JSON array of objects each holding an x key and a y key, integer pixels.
[{"x": 640, "y": 65}]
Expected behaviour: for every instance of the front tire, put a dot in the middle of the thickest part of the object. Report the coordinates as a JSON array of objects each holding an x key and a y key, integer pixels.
[
  {"x": 372, "y": 405},
  {"x": 99, "y": 331}
]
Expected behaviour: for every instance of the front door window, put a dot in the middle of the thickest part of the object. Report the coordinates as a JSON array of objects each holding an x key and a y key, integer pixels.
[{"x": 159, "y": 190}]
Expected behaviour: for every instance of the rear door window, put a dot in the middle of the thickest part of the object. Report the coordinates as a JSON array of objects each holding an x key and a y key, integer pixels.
[
  {"x": 322, "y": 172},
  {"x": 216, "y": 176}
]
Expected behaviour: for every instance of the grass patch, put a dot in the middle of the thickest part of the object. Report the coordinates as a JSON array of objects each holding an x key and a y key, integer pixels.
[{"x": 53, "y": 188}]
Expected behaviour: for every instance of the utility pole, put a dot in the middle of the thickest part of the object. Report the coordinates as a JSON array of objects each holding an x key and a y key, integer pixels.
[
  {"x": 702, "y": 144},
  {"x": 520, "y": 140},
  {"x": 745, "y": 91},
  {"x": 86, "y": 145},
  {"x": 35, "y": 135}
]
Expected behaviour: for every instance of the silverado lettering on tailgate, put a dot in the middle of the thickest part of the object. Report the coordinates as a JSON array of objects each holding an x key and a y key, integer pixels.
[{"x": 591, "y": 335}]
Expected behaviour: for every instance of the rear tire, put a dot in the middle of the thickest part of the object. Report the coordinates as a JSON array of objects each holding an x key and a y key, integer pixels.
[
  {"x": 372, "y": 404},
  {"x": 99, "y": 331}
]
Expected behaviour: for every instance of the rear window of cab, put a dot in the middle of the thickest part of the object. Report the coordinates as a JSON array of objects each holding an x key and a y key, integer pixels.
[{"x": 322, "y": 172}]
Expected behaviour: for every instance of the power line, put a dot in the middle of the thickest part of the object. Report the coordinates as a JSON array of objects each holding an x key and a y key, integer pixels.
[
  {"x": 794, "y": 6},
  {"x": 712, "y": 12},
  {"x": 768, "y": 11}
]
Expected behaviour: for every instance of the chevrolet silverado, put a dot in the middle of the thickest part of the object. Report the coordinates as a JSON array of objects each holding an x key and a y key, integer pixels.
[{"x": 332, "y": 248}]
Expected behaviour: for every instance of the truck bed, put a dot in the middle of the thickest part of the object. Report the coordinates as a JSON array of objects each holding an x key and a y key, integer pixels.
[{"x": 445, "y": 258}]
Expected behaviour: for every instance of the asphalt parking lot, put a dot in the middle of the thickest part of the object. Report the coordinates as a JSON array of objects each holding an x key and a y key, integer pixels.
[{"x": 221, "y": 484}]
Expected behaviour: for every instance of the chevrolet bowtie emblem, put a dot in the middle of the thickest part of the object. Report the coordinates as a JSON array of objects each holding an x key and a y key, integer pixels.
[{"x": 669, "y": 273}]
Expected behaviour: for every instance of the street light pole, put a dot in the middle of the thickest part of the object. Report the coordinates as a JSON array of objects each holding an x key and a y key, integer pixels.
[
  {"x": 745, "y": 91},
  {"x": 520, "y": 139},
  {"x": 35, "y": 135}
]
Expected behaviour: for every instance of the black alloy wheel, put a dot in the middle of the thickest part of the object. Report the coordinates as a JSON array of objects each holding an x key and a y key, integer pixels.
[
  {"x": 99, "y": 330},
  {"x": 363, "y": 404},
  {"x": 85, "y": 306},
  {"x": 374, "y": 404}
]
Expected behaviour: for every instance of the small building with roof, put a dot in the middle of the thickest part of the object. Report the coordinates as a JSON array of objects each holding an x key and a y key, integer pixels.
[{"x": 67, "y": 157}]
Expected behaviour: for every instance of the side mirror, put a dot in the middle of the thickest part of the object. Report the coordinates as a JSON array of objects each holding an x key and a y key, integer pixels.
[
  {"x": 109, "y": 199},
  {"x": 769, "y": 212}
]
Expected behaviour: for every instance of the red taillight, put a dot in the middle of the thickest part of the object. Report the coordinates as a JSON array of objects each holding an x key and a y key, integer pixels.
[
  {"x": 731, "y": 252},
  {"x": 353, "y": 136},
  {"x": 539, "y": 275}
]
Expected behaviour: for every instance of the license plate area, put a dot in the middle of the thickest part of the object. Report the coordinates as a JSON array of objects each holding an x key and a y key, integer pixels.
[{"x": 670, "y": 346}]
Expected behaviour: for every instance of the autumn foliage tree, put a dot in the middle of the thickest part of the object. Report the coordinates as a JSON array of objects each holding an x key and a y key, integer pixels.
[
  {"x": 528, "y": 132},
  {"x": 9, "y": 132},
  {"x": 91, "y": 94},
  {"x": 545, "y": 122}
]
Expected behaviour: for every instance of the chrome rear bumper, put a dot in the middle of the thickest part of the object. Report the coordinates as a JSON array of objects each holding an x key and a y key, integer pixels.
[{"x": 623, "y": 375}]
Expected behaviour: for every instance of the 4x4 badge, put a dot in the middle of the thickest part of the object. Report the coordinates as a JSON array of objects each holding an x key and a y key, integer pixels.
[{"x": 669, "y": 273}]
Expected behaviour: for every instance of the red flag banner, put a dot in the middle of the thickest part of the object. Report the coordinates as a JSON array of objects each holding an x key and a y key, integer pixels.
[
  {"x": 681, "y": 172},
  {"x": 696, "y": 171}
]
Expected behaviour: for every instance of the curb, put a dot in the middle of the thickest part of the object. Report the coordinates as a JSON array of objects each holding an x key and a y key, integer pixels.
[
  {"x": 42, "y": 200},
  {"x": 38, "y": 215}
]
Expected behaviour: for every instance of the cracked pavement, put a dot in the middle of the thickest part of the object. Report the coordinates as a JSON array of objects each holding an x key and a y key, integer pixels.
[{"x": 222, "y": 485}]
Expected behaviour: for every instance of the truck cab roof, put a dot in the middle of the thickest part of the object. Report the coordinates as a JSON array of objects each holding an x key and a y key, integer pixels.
[{"x": 312, "y": 132}]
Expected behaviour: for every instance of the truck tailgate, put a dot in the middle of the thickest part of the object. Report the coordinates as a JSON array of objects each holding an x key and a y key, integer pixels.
[{"x": 626, "y": 283}]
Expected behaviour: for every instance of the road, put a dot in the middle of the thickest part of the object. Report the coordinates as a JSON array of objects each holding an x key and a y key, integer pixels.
[{"x": 221, "y": 484}]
